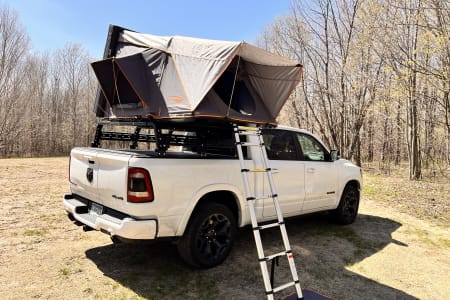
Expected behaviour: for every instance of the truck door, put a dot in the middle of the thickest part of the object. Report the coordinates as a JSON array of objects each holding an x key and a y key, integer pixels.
[
  {"x": 288, "y": 174},
  {"x": 320, "y": 174}
]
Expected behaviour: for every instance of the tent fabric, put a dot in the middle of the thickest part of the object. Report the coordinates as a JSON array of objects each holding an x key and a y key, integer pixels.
[{"x": 183, "y": 77}]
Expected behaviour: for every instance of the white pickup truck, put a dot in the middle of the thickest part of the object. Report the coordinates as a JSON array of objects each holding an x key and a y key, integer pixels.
[{"x": 185, "y": 182}]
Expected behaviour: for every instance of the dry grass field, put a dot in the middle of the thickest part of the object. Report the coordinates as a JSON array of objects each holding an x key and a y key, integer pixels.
[{"x": 397, "y": 249}]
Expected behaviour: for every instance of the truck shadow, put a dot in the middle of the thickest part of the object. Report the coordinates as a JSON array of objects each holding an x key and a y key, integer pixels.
[{"x": 323, "y": 253}]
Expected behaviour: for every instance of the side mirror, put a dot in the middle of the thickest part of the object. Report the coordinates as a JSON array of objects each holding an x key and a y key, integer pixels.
[{"x": 334, "y": 154}]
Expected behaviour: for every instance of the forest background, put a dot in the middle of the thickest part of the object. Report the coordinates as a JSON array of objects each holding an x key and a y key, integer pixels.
[{"x": 376, "y": 83}]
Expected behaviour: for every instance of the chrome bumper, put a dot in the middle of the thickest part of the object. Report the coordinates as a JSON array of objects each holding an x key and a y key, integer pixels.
[{"x": 127, "y": 228}]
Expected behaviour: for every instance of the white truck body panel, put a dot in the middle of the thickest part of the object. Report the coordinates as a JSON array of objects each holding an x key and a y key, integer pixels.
[{"x": 180, "y": 183}]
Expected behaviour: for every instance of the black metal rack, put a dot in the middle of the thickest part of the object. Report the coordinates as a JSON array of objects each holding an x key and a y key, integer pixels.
[{"x": 198, "y": 135}]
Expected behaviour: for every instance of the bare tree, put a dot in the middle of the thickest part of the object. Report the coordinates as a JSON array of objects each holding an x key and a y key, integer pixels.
[
  {"x": 376, "y": 73},
  {"x": 13, "y": 46},
  {"x": 340, "y": 80},
  {"x": 440, "y": 26},
  {"x": 73, "y": 64},
  {"x": 45, "y": 99}
]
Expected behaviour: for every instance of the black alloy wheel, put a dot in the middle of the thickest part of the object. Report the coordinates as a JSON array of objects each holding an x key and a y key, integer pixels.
[
  {"x": 214, "y": 237},
  {"x": 348, "y": 206},
  {"x": 209, "y": 236}
]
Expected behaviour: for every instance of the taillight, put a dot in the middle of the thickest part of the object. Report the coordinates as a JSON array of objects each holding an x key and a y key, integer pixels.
[{"x": 139, "y": 186}]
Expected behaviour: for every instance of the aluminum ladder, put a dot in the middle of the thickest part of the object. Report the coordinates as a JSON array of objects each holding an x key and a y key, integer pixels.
[{"x": 251, "y": 198}]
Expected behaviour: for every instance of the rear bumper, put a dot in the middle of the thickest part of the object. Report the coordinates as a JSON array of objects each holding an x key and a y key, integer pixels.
[{"x": 127, "y": 227}]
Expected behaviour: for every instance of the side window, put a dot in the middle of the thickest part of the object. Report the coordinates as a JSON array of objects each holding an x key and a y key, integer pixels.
[
  {"x": 311, "y": 148},
  {"x": 280, "y": 145}
]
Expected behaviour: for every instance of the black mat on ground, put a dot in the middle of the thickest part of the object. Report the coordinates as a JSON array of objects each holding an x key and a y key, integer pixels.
[{"x": 307, "y": 295}]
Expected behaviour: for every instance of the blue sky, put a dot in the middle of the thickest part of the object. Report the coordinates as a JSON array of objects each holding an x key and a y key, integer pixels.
[{"x": 52, "y": 23}]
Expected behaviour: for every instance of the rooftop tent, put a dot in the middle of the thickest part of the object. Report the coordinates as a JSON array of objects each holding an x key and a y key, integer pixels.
[{"x": 181, "y": 77}]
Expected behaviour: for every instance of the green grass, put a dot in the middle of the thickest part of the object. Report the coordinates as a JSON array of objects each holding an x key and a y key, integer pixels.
[
  {"x": 370, "y": 190},
  {"x": 35, "y": 232},
  {"x": 363, "y": 246},
  {"x": 64, "y": 272},
  {"x": 423, "y": 199},
  {"x": 159, "y": 283},
  {"x": 425, "y": 238}
]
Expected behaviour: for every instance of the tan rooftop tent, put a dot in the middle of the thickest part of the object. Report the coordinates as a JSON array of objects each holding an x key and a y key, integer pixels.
[{"x": 180, "y": 77}]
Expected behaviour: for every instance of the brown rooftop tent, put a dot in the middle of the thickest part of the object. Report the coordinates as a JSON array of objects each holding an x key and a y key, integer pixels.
[{"x": 159, "y": 77}]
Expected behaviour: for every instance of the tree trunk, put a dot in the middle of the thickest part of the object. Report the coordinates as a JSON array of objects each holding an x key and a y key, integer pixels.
[
  {"x": 398, "y": 142},
  {"x": 447, "y": 123},
  {"x": 370, "y": 134}
]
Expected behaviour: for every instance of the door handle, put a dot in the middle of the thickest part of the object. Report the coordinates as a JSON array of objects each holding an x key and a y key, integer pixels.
[
  {"x": 310, "y": 170},
  {"x": 90, "y": 159}
]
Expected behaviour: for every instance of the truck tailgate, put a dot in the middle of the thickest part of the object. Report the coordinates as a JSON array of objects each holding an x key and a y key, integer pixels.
[
  {"x": 112, "y": 178},
  {"x": 100, "y": 175},
  {"x": 83, "y": 173}
]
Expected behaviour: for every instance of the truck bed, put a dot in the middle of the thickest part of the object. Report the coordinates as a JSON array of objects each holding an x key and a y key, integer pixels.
[{"x": 177, "y": 154}]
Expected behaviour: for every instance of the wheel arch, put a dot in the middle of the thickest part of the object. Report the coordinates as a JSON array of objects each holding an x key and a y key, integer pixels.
[
  {"x": 226, "y": 197},
  {"x": 352, "y": 182},
  {"x": 355, "y": 183},
  {"x": 347, "y": 211}
]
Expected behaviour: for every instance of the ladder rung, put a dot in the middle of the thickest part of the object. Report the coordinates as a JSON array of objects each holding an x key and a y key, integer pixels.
[
  {"x": 284, "y": 286},
  {"x": 262, "y": 197},
  {"x": 248, "y": 128},
  {"x": 266, "y": 226},
  {"x": 255, "y": 133},
  {"x": 256, "y": 170},
  {"x": 246, "y": 144},
  {"x": 270, "y": 257}
]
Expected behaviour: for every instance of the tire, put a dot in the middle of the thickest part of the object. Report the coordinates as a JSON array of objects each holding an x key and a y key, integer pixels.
[
  {"x": 347, "y": 210},
  {"x": 209, "y": 237}
]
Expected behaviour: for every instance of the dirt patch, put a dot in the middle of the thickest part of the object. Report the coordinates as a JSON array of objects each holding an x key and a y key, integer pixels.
[{"x": 386, "y": 254}]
